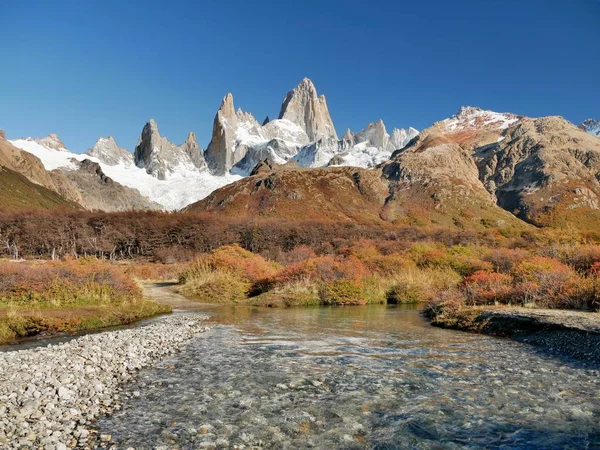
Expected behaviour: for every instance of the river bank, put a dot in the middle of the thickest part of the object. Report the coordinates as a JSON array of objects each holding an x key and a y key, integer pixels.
[
  {"x": 574, "y": 334},
  {"x": 51, "y": 396}
]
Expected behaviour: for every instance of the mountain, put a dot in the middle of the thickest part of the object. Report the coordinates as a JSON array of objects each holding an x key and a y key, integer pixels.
[
  {"x": 160, "y": 157},
  {"x": 295, "y": 193},
  {"x": 108, "y": 152},
  {"x": 473, "y": 127},
  {"x": 100, "y": 192},
  {"x": 591, "y": 126},
  {"x": 303, "y": 134},
  {"x": 371, "y": 146},
  {"x": 437, "y": 187},
  {"x": 546, "y": 171},
  {"x": 477, "y": 168},
  {"x": 187, "y": 182},
  {"x": 305, "y": 108},
  {"x": 25, "y": 183},
  {"x": 19, "y": 193}
]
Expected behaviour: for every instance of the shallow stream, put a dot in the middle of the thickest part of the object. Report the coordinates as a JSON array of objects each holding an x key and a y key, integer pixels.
[{"x": 375, "y": 377}]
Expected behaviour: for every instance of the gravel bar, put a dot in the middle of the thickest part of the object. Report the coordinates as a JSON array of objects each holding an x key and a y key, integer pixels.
[{"x": 51, "y": 396}]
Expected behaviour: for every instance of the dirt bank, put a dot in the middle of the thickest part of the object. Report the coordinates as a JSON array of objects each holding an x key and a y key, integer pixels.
[{"x": 574, "y": 334}]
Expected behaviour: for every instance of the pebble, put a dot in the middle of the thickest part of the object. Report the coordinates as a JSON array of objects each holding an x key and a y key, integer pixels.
[{"x": 66, "y": 387}]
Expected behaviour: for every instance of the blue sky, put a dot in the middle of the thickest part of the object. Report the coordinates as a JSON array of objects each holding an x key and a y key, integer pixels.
[{"x": 85, "y": 69}]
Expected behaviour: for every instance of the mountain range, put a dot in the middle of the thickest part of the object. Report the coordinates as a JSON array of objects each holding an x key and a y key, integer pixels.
[{"x": 473, "y": 169}]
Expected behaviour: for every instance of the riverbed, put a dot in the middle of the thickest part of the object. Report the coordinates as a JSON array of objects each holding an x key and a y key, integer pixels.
[{"x": 377, "y": 377}]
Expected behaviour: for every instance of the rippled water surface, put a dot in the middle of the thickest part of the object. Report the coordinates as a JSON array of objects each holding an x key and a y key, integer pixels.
[{"x": 361, "y": 377}]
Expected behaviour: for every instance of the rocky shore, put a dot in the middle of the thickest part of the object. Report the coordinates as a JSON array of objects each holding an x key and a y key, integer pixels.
[
  {"x": 51, "y": 396},
  {"x": 574, "y": 334}
]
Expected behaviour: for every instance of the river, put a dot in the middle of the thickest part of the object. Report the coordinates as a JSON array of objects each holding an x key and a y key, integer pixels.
[{"x": 376, "y": 377}]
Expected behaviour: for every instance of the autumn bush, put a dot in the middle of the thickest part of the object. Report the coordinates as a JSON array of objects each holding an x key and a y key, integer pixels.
[
  {"x": 487, "y": 288},
  {"x": 465, "y": 260},
  {"x": 419, "y": 285},
  {"x": 67, "y": 296},
  {"x": 226, "y": 274}
]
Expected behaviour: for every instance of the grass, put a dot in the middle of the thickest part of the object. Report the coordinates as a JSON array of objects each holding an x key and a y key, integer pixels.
[
  {"x": 68, "y": 296},
  {"x": 18, "y": 193}
]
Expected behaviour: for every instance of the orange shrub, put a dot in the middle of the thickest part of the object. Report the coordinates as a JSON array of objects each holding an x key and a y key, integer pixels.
[
  {"x": 297, "y": 254},
  {"x": 504, "y": 259},
  {"x": 235, "y": 259},
  {"x": 463, "y": 260},
  {"x": 324, "y": 268},
  {"x": 487, "y": 288},
  {"x": 65, "y": 282}
]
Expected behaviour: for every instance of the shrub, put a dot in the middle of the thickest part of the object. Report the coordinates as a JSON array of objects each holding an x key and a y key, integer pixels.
[
  {"x": 504, "y": 260},
  {"x": 343, "y": 292},
  {"x": 487, "y": 288},
  {"x": 420, "y": 285},
  {"x": 462, "y": 259}
]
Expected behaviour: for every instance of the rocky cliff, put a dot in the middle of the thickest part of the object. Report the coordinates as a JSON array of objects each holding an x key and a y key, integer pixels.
[
  {"x": 305, "y": 108},
  {"x": 546, "y": 171},
  {"x": 160, "y": 157}
]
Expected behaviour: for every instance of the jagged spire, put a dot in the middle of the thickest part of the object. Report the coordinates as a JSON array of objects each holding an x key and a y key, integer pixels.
[{"x": 305, "y": 108}]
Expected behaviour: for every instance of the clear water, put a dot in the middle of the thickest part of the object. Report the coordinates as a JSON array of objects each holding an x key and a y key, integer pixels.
[{"x": 356, "y": 377}]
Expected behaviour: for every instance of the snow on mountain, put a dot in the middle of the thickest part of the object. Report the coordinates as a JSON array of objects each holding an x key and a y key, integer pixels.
[
  {"x": 371, "y": 146},
  {"x": 107, "y": 151},
  {"x": 469, "y": 118},
  {"x": 591, "y": 126},
  {"x": 179, "y": 189},
  {"x": 51, "y": 141}
]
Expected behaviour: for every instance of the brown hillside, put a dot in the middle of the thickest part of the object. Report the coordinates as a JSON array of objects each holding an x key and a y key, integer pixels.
[{"x": 18, "y": 193}]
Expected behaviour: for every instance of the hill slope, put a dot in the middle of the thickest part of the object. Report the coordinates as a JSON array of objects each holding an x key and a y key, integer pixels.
[{"x": 18, "y": 193}]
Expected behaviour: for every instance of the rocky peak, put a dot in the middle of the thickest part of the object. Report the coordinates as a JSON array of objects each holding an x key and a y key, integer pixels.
[
  {"x": 2, "y": 135},
  {"x": 161, "y": 157},
  {"x": 591, "y": 126},
  {"x": 304, "y": 107},
  {"x": 51, "y": 141},
  {"x": 108, "y": 152},
  {"x": 193, "y": 150},
  {"x": 266, "y": 121},
  {"x": 219, "y": 154},
  {"x": 401, "y": 137},
  {"x": 472, "y": 118},
  {"x": 466, "y": 111},
  {"x": 375, "y": 134},
  {"x": 348, "y": 135}
]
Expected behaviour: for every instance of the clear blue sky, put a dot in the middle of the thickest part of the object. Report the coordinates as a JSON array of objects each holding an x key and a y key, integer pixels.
[{"x": 85, "y": 69}]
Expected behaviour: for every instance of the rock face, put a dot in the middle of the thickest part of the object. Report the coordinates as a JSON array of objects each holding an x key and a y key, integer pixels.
[
  {"x": 96, "y": 191},
  {"x": 160, "y": 157},
  {"x": 193, "y": 150},
  {"x": 303, "y": 107},
  {"x": 219, "y": 154},
  {"x": 591, "y": 126},
  {"x": 108, "y": 152},
  {"x": 239, "y": 142},
  {"x": 546, "y": 171},
  {"x": 401, "y": 137}
]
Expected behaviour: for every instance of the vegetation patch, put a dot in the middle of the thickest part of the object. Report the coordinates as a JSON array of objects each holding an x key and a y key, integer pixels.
[{"x": 72, "y": 295}]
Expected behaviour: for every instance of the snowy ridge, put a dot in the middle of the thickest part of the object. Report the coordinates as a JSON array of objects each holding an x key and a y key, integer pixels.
[
  {"x": 184, "y": 186},
  {"x": 591, "y": 126},
  {"x": 469, "y": 117}
]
